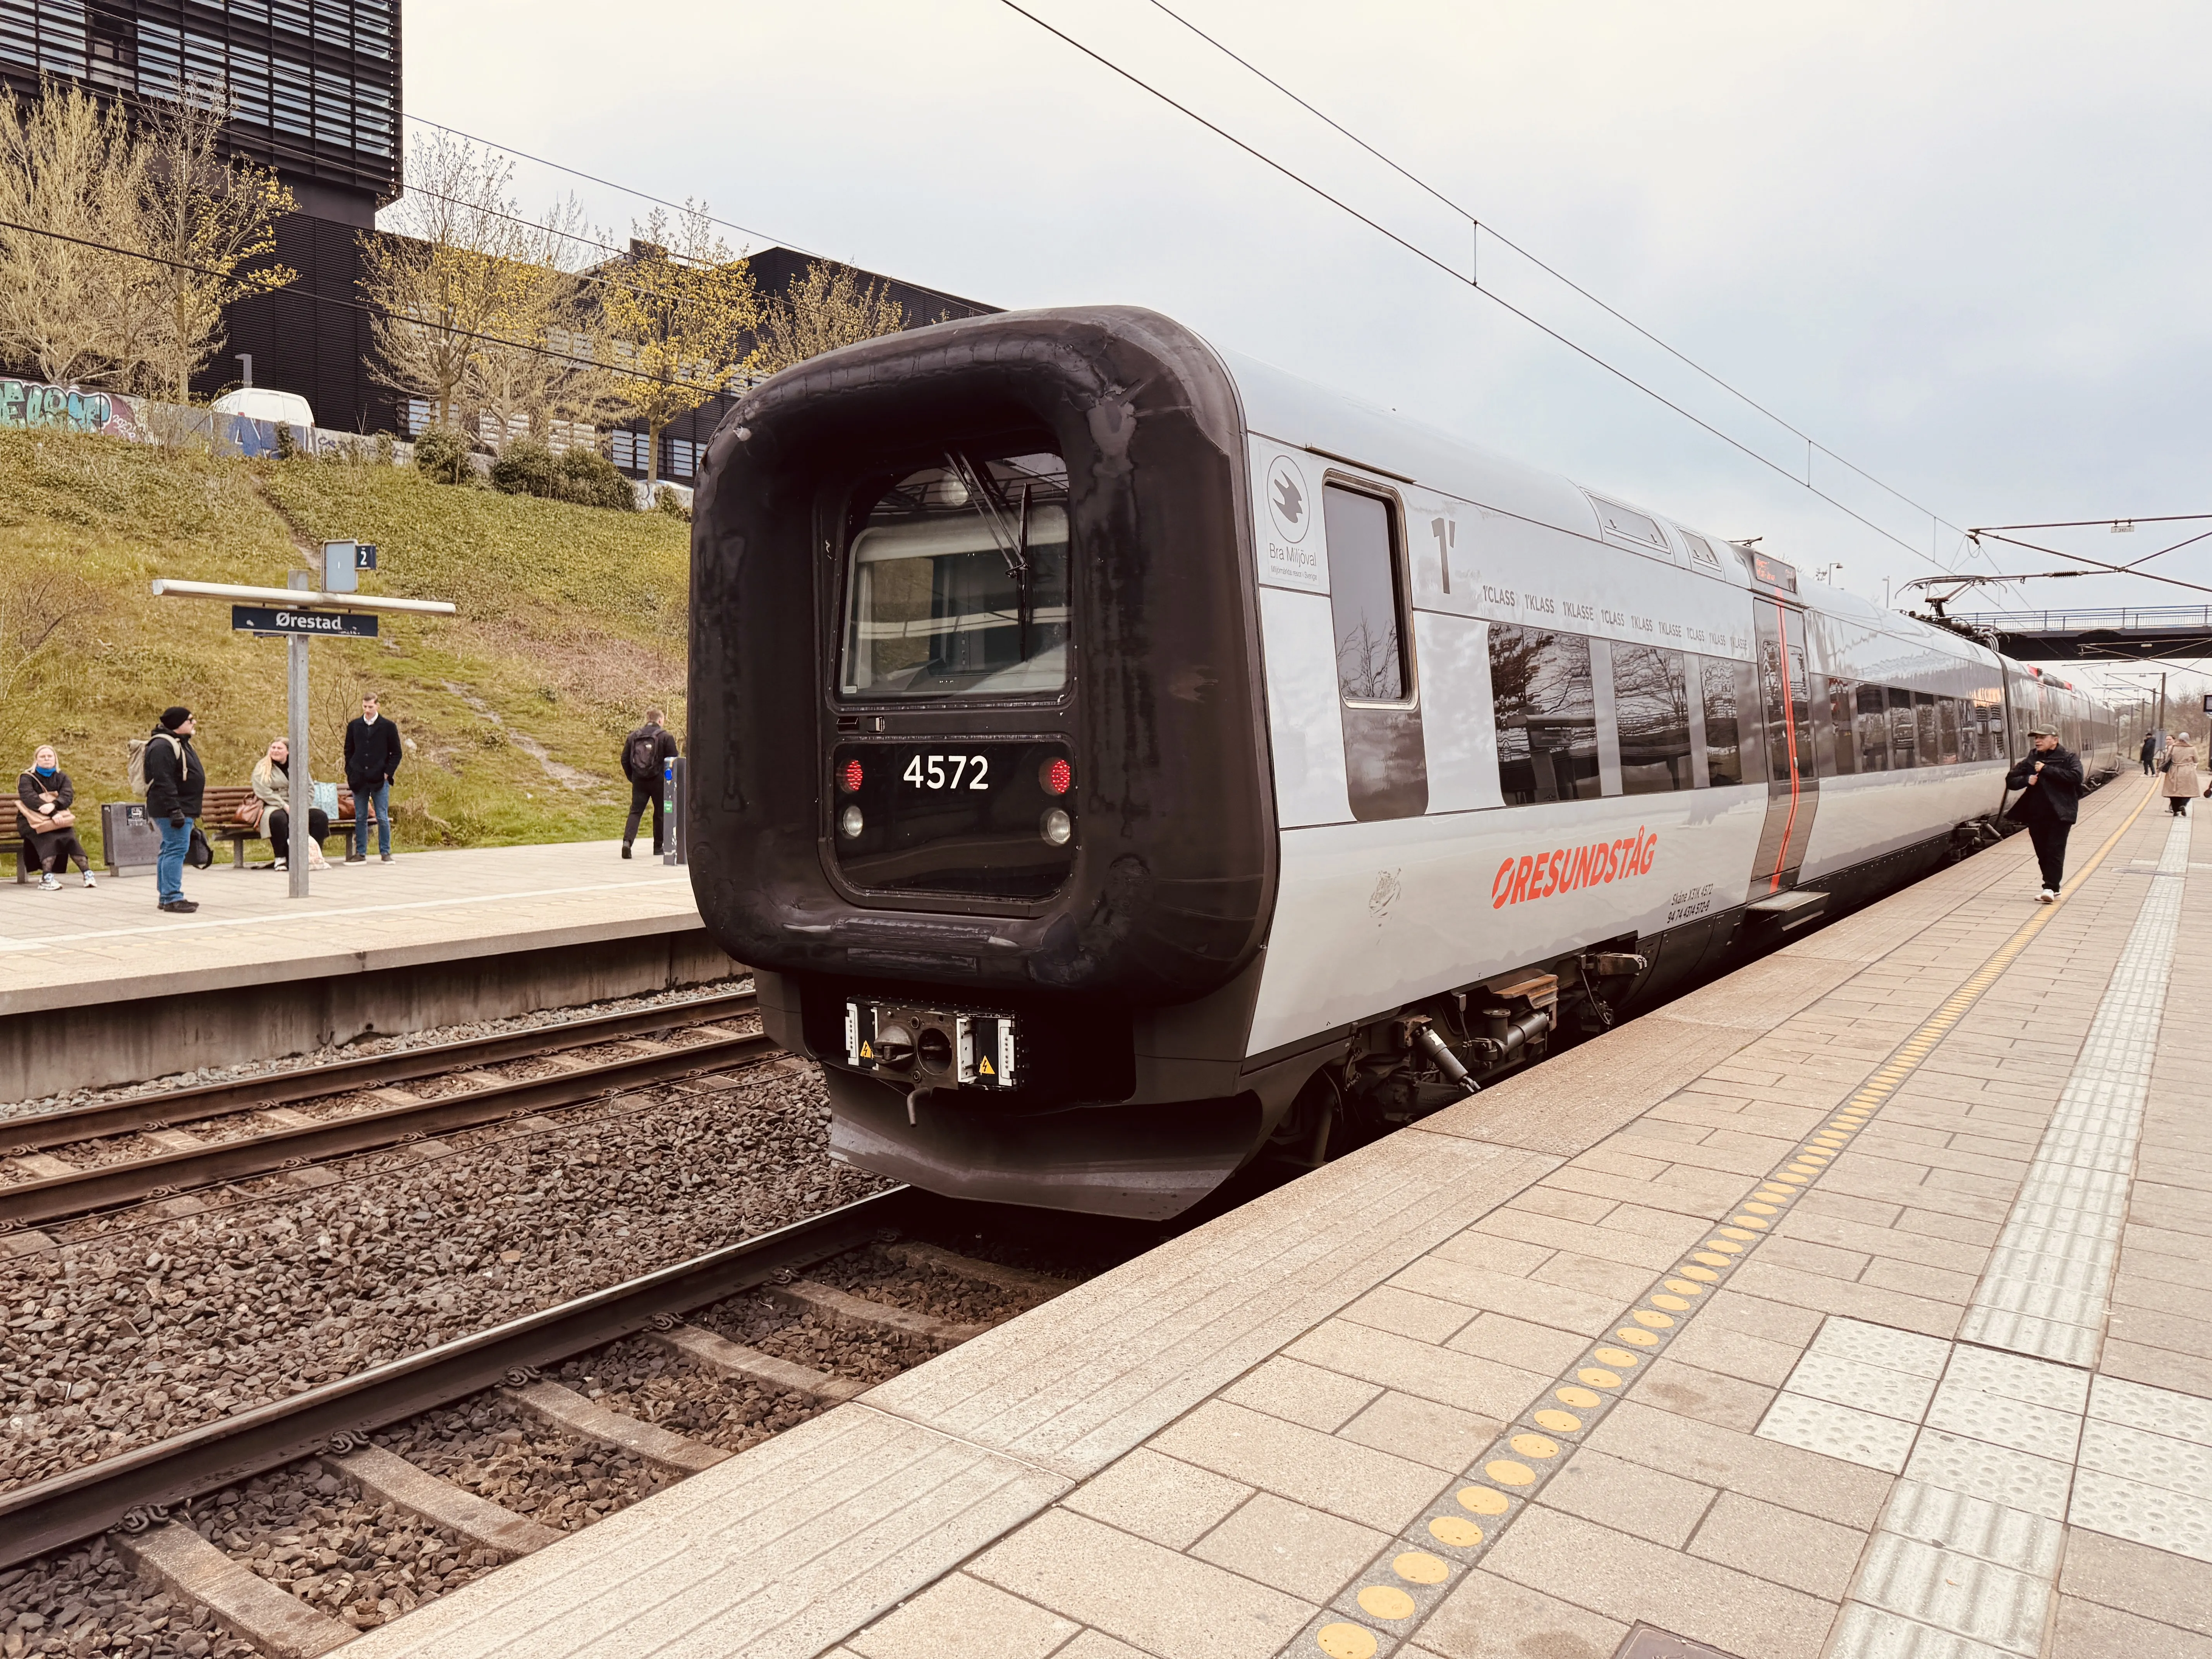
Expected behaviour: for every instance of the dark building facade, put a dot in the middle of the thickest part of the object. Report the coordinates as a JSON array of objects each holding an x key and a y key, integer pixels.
[{"x": 316, "y": 87}]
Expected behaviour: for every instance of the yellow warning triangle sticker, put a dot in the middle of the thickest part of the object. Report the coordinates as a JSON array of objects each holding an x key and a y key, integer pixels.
[
  {"x": 985, "y": 1068},
  {"x": 867, "y": 1053}
]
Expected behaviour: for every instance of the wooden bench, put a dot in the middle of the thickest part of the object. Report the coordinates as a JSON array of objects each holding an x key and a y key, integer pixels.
[{"x": 219, "y": 822}]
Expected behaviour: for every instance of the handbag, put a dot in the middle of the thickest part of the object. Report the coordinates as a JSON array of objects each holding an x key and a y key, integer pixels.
[
  {"x": 250, "y": 811},
  {"x": 198, "y": 852}
]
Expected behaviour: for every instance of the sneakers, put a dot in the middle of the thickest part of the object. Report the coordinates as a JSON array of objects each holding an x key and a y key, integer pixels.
[
  {"x": 384, "y": 858},
  {"x": 88, "y": 881},
  {"x": 625, "y": 849},
  {"x": 179, "y": 907},
  {"x": 281, "y": 864},
  {"x": 357, "y": 858},
  {"x": 2048, "y": 896},
  {"x": 47, "y": 884}
]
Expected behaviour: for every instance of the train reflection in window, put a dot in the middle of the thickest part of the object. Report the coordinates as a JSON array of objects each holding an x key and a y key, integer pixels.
[
  {"x": 1546, "y": 709},
  {"x": 1874, "y": 729},
  {"x": 1733, "y": 748},
  {"x": 1904, "y": 740},
  {"x": 1843, "y": 710},
  {"x": 956, "y": 585},
  {"x": 1652, "y": 708}
]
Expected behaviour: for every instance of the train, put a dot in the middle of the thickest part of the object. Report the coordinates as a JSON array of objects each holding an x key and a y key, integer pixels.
[{"x": 1120, "y": 760}]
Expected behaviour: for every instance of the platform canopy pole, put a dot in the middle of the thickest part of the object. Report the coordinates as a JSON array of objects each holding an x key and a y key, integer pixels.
[{"x": 301, "y": 773}]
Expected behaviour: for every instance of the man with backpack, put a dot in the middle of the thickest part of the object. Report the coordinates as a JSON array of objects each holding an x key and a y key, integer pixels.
[
  {"x": 643, "y": 751},
  {"x": 175, "y": 784}
]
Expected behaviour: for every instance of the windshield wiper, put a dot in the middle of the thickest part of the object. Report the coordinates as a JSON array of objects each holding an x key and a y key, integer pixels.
[{"x": 1013, "y": 545}]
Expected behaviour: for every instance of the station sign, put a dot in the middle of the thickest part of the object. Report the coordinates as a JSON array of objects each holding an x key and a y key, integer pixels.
[{"x": 267, "y": 619}]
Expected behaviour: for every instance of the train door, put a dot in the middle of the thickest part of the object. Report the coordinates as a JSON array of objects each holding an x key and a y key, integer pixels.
[{"x": 1793, "y": 781}]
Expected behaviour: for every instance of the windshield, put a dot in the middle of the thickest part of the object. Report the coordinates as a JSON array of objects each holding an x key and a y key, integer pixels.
[{"x": 958, "y": 583}]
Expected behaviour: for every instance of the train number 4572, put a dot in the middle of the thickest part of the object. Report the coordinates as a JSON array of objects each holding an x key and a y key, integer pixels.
[{"x": 946, "y": 771}]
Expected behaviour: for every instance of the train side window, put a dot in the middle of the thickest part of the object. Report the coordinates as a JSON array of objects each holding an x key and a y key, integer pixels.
[
  {"x": 1903, "y": 735},
  {"x": 1366, "y": 597},
  {"x": 1843, "y": 720},
  {"x": 1724, "y": 737},
  {"x": 1947, "y": 730},
  {"x": 1547, "y": 712},
  {"x": 1651, "y": 711},
  {"x": 1873, "y": 730},
  {"x": 1923, "y": 715}
]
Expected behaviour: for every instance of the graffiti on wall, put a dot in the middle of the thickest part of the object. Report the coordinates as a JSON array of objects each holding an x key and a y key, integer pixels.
[{"x": 32, "y": 402}]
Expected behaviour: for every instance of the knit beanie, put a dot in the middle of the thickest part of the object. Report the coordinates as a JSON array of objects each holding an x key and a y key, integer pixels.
[{"x": 173, "y": 718}]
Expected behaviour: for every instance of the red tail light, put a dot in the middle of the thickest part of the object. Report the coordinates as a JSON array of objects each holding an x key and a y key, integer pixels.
[
  {"x": 849, "y": 776},
  {"x": 1057, "y": 776}
]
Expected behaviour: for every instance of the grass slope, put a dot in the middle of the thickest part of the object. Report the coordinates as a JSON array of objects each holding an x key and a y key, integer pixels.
[{"x": 572, "y": 621}]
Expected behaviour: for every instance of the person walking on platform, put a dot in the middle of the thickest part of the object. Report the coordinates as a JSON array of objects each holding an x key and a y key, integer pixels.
[
  {"x": 643, "y": 752},
  {"x": 2049, "y": 779},
  {"x": 272, "y": 787},
  {"x": 44, "y": 800},
  {"x": 176, "y": 785},
  {"x": 373, "y": 754},
  {"x": 2149, "y": 751},
  {"x": 2181, "y": 782}
]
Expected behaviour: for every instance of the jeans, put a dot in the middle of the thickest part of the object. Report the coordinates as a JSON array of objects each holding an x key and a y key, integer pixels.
[
  {"x": 639, "y": 795},
  {"x": 169, "y": 863},
  {"x": 2050, "y": 841},
  {"x": 372, "y": 798}
]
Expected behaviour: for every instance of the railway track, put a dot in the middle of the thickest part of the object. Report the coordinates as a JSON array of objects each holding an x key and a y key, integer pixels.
[
  {"x": 54, "y": 1189},
  {"x": 150, "y": 1497}
]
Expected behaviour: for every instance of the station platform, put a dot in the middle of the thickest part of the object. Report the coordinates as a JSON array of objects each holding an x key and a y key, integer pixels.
[
  {"x": 1856, "y": 1305},
  {"x": 98, "y": 985}
]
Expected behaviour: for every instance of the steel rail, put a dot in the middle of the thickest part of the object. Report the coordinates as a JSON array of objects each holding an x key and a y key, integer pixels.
[
  {"x": 39, "y": 1131},
  {"x": 56, "y": 1197},
  {"x": 135, "y": 1488}
]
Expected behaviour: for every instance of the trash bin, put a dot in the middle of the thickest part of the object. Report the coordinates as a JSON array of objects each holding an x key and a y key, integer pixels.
[{"x": 128, "y": 841}]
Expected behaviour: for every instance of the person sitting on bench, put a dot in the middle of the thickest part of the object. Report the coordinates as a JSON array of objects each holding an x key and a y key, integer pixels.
[{"x": 272, "y": 787}]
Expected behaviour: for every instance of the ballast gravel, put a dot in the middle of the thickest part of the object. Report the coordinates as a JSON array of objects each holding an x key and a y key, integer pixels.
[
  {"x": 90, "y": 1600},
  {"x": 499, "y": 1452},
  {"x": 133, "y": 1330}
]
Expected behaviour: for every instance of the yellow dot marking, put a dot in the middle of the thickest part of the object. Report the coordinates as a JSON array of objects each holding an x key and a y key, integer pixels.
[
  {"x": 1809, "y": 1165},
  {"x": 1725, "y": 1246},
  {"x": 1480, "y": 1500},
  {"x": 1598, "y": 1377},
  {"x": 1386, "y": 1602},
  {"x": 1621, "y": 1359},
  {"x": 1557, "y": 1422},
  {"x": 1419, "y": 1567},
  {"x": 1657, "y": 1322},
  {"x": 1642, "y": 1338},
  {"x": 1533, "y": 1445},
  {"x": 1708, "y": 1259},
  {"x": 1760, "y": 1209},
  {"x": 1684, "y": 1287},
  {"x": 1736, "y": 1233},
  {"x": 1793, "y": 1177},
  {"x": 1582, "y": 1399},
  {"x": 1748, "y": 1221},
  {"x": 1346, "y": 1640},
  {"x": 1460, "y": 1535},
  {"x": 1672, "y": 1303},
  {"x": 1774, "y": 1194},
  {"x": 1706, "y": 1273},
  {"x": 1507, "y": 1472}
]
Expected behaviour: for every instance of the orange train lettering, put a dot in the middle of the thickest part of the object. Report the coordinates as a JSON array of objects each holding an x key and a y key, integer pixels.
[{"x": 1565, "y": 869}]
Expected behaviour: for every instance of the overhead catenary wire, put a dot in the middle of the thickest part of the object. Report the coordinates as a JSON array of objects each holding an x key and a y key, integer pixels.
[{"x": 1471, "y": 279}]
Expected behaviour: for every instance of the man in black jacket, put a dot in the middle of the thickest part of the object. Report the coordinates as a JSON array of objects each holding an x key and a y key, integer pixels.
[
  {"x": 2049, "y": 779},
  {"x": 371, "y": 758},
  {"x": 2149, "y": 751},
  {"x": 642, "y": 754},
  {"x": 176, "y": 785}
]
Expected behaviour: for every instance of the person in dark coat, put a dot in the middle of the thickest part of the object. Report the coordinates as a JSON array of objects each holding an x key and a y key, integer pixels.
[
  {"x": 2149, "y": 751},
  {"x": 176, "y": 785},
  {"x": 373, "y": 754},
  {"x": 642, "y": 753},
  {"x": 2049, "y": 779},
  {"x": 43, "y": 794}
]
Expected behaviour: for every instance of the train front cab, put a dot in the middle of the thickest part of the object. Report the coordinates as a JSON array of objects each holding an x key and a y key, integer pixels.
[{"x": 979, "y": 766}]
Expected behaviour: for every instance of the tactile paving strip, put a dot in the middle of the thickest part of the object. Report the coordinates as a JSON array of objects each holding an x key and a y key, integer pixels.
[{"x": 1388, "y": 1602}]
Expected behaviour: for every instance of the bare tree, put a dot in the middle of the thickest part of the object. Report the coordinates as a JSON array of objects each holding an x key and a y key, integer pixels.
[
  {"x": 828, "y": 307},
  {"x": 72, "y": 179},
  {"x": 544, "y": 368},
  {"x": 206, "y": 218},
  {"x": 680, "y": 311},
  {"x": 40, "y": 609}
]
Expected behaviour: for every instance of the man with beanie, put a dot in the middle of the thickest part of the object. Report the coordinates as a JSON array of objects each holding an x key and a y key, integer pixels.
[
  {"x": 176, "y": 783},
  {"x": 2049, "y": 779}
]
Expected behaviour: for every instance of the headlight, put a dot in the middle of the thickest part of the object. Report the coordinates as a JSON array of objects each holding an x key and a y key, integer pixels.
[
  {"x": 850, "y": 822},
  {"x": 1056, "y": 827}
]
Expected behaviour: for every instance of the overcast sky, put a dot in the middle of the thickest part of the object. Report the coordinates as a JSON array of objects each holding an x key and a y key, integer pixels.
[{"x": 1966, "y": 248}]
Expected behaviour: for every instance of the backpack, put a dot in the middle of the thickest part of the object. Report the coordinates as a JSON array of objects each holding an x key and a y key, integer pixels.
[
  {"x": 641, "y": 754},
  {"x": 137, "y": 778}
]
